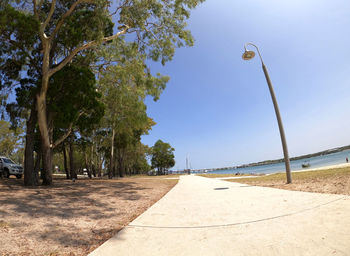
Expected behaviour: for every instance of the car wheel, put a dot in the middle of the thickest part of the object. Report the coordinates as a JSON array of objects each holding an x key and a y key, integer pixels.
[
  {"x": 18, "y": 176},
  {"x": 6, "y": 173}
]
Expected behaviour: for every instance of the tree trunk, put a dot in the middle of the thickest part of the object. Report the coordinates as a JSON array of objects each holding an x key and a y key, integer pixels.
[
  {"x": 42, "y": 113},
  {"x": 73, "y": 174},
  {"x": 65, "y": 161},
  {"x": 47, "y": 163},
  {"x": 121, "y": 164},
  {"x": 43, "y": 126},
  {"x": 92, "y": 165},
  {"x": 100, "y": 165},
  {"x": 37, "y": 165},
  {"x": 114, "y": 171},
  {"x": 86, "y": 164},
  {"x": 111, "y": 162},
  {"x": 30, "y": 179},
  {"x": 93, "y": 170}
]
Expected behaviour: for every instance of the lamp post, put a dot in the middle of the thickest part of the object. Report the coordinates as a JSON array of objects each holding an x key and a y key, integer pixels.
[{"x": 248, "y": 55}]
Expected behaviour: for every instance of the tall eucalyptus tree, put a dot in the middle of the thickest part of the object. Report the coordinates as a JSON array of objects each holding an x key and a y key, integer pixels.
[{"x": 63, "y": 29}]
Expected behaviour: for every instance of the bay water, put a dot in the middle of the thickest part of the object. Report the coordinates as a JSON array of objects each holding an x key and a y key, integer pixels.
[{"x": 317, "y": 161}]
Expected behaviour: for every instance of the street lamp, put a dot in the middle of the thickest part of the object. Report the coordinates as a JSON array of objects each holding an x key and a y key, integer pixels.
[{"x": 248, "y": 55}]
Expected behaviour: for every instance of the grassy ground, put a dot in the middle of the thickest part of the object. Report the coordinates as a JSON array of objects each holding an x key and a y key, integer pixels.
[
  {"x": 170, "y": 176},
  {"x": 71, "y": 218},
  {"x": 173, "y": 176},
  {"x": 334, "y": 181},
  {"x": 214, "y": 175}
]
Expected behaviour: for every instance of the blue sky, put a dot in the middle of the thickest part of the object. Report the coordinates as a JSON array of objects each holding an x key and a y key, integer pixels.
[{"x": 217, "y": 108}]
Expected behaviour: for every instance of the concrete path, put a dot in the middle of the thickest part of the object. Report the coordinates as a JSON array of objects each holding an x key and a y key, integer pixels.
[{"x": 202, "y": 216}]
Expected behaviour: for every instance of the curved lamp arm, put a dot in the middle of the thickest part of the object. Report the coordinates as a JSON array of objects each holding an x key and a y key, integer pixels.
[{"x": 245, "y": 48}]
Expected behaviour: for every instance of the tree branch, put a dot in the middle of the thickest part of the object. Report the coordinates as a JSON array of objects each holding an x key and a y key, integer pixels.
[
  {"x": 64, "y": 136},
  {"x": 60, "y": 140},
  {"x": 49, "y": 16},
  {"x": 35, "y": 10},
  {"x": 67, "y": 14},
  {"x": 66, "y": 60},
  {"x": 115, "y": 12}
]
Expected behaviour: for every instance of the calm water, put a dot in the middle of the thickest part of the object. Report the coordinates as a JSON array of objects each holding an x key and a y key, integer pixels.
[{"x": 317, "y": 161}]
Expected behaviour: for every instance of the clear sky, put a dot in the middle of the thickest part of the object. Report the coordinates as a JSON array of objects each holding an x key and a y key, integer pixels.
[{"x": 217, "y": 108}]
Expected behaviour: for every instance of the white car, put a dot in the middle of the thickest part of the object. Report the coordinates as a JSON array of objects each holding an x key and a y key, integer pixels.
[{"x": 8, "y": 167}]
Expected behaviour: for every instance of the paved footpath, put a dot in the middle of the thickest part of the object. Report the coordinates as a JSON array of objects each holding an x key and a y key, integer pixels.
[{"x": 202, "y": 216}]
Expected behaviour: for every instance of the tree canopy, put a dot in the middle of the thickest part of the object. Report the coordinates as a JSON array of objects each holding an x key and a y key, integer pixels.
[
  {"x": 52, "y": 53},
  {"x": 162, "y": 156},
  {"x": 11, "y": 144}
]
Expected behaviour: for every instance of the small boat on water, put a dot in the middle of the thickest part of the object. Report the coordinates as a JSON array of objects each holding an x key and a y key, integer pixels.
[{"x": 305, "y": 165}]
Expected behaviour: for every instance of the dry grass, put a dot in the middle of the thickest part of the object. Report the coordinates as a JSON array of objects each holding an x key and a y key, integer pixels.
[
  {"x": 71, "y": 218},
  {"x": 170, "y": 176},
  {"x": 333, "y": 181}
]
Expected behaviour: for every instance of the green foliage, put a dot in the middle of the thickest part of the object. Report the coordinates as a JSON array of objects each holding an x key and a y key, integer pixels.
[
  {"x": 155, "y": 29},
  {"x": 141, "y": 165},
  {"x": 160, "y": 25},
  {"x": 89, "y": 22},
  {"x": 124, "y": 86},
  {"x": 73, "y": 98},
  {"x": 78, "y": 155},
  {"x": 18, "y": 35},
  {"x": 10, "y": 141},
  {"x": 125, "y": 65},
  {"x": 134, "y": 158},
  {"x": 162, "y": 155}
]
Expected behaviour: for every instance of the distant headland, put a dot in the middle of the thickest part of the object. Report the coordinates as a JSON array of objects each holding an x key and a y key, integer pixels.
[{"x": 321, "y": 153}]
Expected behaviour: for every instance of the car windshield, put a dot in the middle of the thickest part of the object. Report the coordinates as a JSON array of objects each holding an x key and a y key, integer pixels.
[{"x": 8, "y": 161}]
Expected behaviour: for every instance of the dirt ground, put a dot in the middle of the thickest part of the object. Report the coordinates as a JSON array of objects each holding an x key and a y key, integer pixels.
[
  {"x": 71, "y": 218},
  {"x": 331, "y": 181}
]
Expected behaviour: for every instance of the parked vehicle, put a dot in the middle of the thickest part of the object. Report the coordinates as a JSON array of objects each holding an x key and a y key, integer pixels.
[{"x": 8, "y": 167}]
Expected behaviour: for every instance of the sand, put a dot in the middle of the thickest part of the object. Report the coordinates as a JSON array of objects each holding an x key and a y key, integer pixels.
[{"x": 71, "y": 218}]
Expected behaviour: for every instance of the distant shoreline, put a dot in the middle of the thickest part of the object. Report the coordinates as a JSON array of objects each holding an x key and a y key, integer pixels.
[
  {"x": 333, "y": 166},
  {"x": 324, "y": 152}
]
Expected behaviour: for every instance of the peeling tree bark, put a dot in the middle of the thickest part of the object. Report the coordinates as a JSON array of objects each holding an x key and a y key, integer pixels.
[
  {"x": 87, "y": 164},
  {"x": 37, "y": 164},
  {"x": 73, "y": 174},
  {"x": 65, "y": 161},
  {"x": 30, "y": 179},
  {"x": 42, "y": 115},
  {"x": 100, "y": 165},
  {"x": 92, "y": 165},
  {"x": 111, "y": 163}
]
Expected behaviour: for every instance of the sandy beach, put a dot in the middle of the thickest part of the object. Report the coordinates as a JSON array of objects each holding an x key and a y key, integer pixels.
[
  {"x": 71, "y": 218},
  {"x": 335, "y": 166}
]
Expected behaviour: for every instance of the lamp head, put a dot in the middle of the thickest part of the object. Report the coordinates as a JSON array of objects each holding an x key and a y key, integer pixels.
[{"x": 248, "y": 55}]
